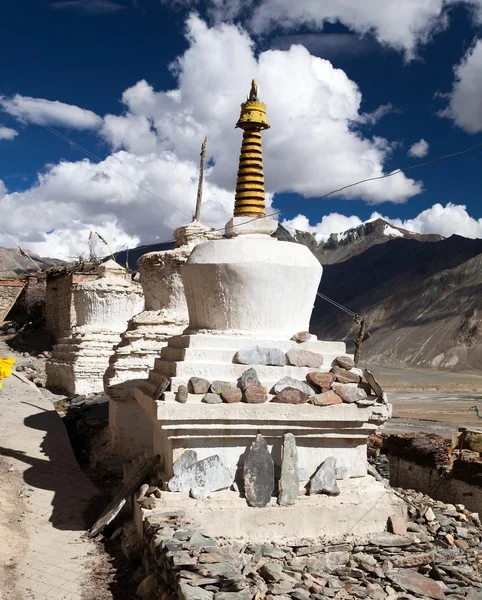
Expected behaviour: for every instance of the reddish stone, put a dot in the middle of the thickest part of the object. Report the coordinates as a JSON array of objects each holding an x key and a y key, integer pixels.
[
  {"x": 256, "y": 394},
  {"x": 344, "y": 376},
  {"x": 397, "y": 525},
  {"x": 320, "y": 380},
  {"x": 418, "y": 584},
  {"x": 291, "y": 396},
  {"x": 326, "y": 399}
]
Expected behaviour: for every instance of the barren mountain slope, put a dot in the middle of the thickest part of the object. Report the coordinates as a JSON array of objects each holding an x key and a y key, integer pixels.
[{"x": 12, "y": 262}]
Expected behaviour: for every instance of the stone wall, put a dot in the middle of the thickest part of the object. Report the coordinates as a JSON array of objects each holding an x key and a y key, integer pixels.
[{"x": 10, "y": 290}]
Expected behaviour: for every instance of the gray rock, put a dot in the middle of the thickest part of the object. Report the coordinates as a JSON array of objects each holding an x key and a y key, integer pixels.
[
  {"x": 199, "y": 493},
  {"x": 291, "y": 396},
  {"x": 181, "y": 394},
  {"x": 341, "y": 472},
  {"x": 289, "y": 483},
  {"x": 210, "y": 398},
  {"x": 258, "y": 474},
  {"x": 462, "y": 532},
  {"x": 198, "y": 385},
  {"x": 229, "y": 392},
  {"x": 365, "y": 403},
  {"x": 246, "y": 595},
  {"x": 293, "y": 383},
  {"x": 256, "y": 394},
  {"x": 208, "y": 474},
  {"x": 349, "y": 392},
  {"x": 414, "y": 582},
  {"x": 271, "y": 572},
  {"x": 187, "y": 458},
  {"x": 345, "y": 362},
  {"x": 299, "y": 357},
  {"x": 189, "y": 592},
  {"x": 322, "y": 563},
  {"x": 248, "y": 378},
  {"x": 261, "y": 355},
  {"x": 324, "y": 480},
  {"x": 198, "y": 540}
]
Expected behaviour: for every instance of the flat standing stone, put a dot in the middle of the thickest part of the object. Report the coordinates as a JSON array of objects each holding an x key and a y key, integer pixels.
[
  {"x": 291, "y": 396},
  {"x": 321, "y": 381},
  {"x": 326, "y": 399},
  {"x": 248, "y": 378},
  {"x": 324, "y": 480},
  {"x": 198, "y": 385},
  {"x": 181, "y": 394},
  {"x": 206, "y": 475},
  {"x": 345, "y": 362},
  {"x": 228, "y": 391},
  {"x": 299, "y": 357},
  {"x": 258, "y": 474},
  {"x": 345, "y": 376},
  {"x": 419, "y": 584},
  {"x": 187, "y": 458},
  {"x": 349, "y": 392},
  {"x": 372, "y": 382},
  {"x": 289, "y": 483},
  {"x": 293, "y": 383},
  {"x": 256, "y": 394},
  {"x": 261, "y": 355}
]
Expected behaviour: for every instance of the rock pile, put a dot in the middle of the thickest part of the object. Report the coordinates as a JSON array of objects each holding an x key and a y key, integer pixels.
[
  {"x": 438, "y": 557},
  {"x": 344, "y": 383}
]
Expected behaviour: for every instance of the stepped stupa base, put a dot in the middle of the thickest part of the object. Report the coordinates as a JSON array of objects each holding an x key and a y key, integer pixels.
[{"x": 363, "y": 507}]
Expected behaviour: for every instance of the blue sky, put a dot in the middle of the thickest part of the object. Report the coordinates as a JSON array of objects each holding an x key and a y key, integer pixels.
[{"x": 84, "y": 54}]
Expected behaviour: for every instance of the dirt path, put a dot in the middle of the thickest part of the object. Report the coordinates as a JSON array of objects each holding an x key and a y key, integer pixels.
[{"x": 42, "y": 500}]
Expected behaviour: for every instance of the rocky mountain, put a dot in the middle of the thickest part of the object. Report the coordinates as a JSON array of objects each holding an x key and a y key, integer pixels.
[{"x": 12, "y": 262}]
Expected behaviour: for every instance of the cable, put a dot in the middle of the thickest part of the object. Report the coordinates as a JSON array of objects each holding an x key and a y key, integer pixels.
[{"x": 341, "y": 307}]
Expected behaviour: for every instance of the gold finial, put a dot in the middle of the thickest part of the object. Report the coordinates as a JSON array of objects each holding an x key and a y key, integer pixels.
[{"x": 250, "y": 195}]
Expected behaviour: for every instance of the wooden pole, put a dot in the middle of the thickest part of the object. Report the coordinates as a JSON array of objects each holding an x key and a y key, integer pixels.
[
  {"x": 360, "y": 339},
  {"x": 197, "y": 214}
]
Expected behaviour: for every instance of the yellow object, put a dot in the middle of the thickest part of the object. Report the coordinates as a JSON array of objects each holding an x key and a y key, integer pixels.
[
  {"x": 249, "y": 199},
  {"x": 6, "y": 365}
]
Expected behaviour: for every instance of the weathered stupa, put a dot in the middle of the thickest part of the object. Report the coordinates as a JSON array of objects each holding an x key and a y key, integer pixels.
[
  {"x": 246, "y": 381},
  {"x": 102, "y": 306},
  {"x": 165, "y": 314}
]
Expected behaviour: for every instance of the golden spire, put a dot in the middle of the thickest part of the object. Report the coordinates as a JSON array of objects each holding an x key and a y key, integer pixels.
[{"x": 249, "y": 199}]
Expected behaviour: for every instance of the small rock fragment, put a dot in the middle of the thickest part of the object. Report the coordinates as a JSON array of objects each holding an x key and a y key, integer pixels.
[
  {"x": 258, "y": 474},
  {"x": 210, "y": 398},
  {"x": 198, "y": 385},
  {"x": 326, "y": 399},
  {"x": 181, "y": 394},
  {"x": 302, "y": 336},
  {"x": 345, "y": 362},
  {"x": 260, "y": 355},
  {"x": 324, "y": 480},
  {"x": 291, "y": 395},
  {"x": 289, "y": 482},
  {"x": 229, "y": 392},
  {"x": 256, "y": 394},
  {"x": 300, "y": 357}
]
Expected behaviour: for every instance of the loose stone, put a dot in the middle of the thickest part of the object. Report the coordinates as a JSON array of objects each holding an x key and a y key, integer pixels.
[
  {"x": 372, "y": 382},
  {"x": 258, "y": 474},
  {"x": 293, "y": 383},
  {"x": 324, "y": 480},
  {"x": 302, "y": 336},
  {"x": 291, "y": 395},
  {"x": 341, "y": 472},
  {"x": 181, "y": 394},
  {"x": 289, "y": 483},
  {"x": 326, "y": 399},
  {"x": 321, "y": 381},
  {"x": 210, "y": 398},
  {"x": 229, "y": 392},
  {"x": 345, "y": 376},
  {"x": 416, "y": 583},
  {"x": 208, "y": 474},
  {"x": 261, "y": 355},
  {"x": 397, "y": 525},
  {"x": 256, "y": 394},
  {"x": 345, "y": 362},
  {"x": 365, "y": 403},
  {"x": 248, "y": 378},
  {"x": 187, "y": 458},
  {"x": 198, "y": 385},
  {"x": 304, "y": 358},
  {"x": 349, "y": 393},
  {"x": 188, "y": 592}
]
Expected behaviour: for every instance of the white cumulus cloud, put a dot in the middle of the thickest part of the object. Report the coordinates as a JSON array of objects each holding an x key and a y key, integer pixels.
[
  {"x": 419, "y": 149},
  {"x": 465, "y": 106},
  {"x": 7, "y": 133},
  {"x": 313, "y": 147},
  {"x": 443, "y": 220},
  {"x": 48, "y": 112}
]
